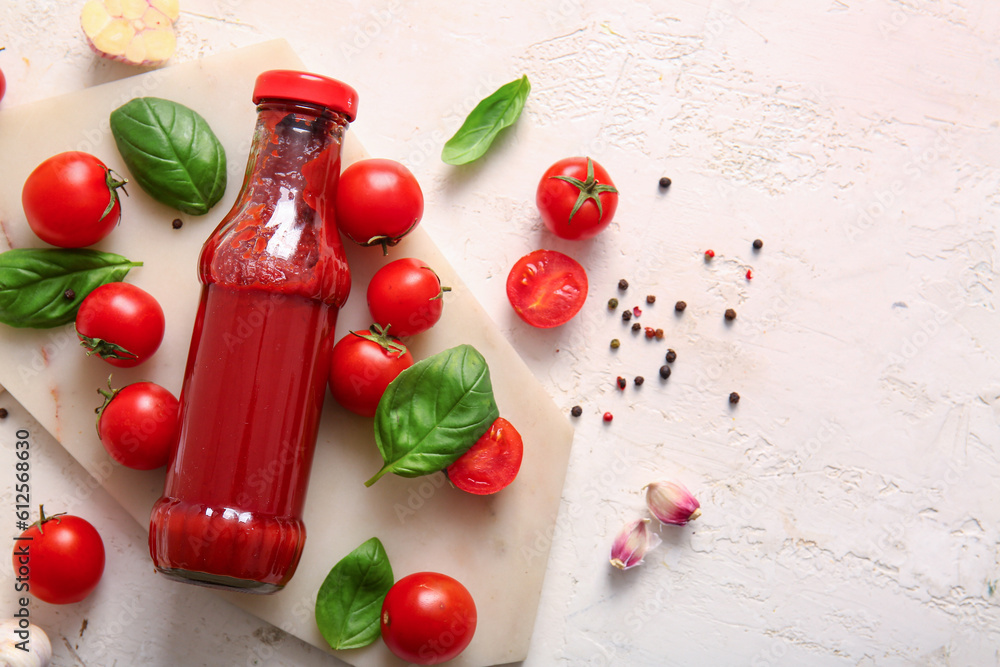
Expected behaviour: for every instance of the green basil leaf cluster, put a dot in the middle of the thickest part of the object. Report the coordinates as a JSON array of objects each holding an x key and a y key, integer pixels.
[
  {"x": 34, "y": 283},
  {"x": 171, "y": 152},
  {"x": 484, "y": 123},
  {"x": 349, "y": 602},
  {"x": 433, "y": 412}
]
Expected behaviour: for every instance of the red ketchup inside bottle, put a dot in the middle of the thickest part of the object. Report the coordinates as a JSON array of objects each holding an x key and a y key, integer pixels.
[{"x": 274, "y": 276}]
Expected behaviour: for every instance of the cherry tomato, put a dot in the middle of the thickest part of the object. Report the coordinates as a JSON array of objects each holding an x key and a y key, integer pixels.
[
  {"x": 362, "y": 366},
  {"x": 139, "y": 425},
  {"x": 428, "y": 618},
  {"x": 62, "y": 558},
  {"x": 378, "y": 202},
  {"x": 71, "y": 200},
  {"x": 492, "y": 463},
  {"x": 576, "y": 198},
  {"x": 406, "y": 297},
  {"x": 121, "y": 323},
  {"x": 546, "y": 288}
]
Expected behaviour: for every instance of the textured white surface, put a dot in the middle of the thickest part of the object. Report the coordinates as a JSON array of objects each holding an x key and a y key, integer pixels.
[{"x": 850, "y": 499}]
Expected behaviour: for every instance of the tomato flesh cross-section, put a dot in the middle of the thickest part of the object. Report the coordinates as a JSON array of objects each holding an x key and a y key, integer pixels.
[
  {"x": 547, "y": 288},
  {"x": 492, "y": 463}
]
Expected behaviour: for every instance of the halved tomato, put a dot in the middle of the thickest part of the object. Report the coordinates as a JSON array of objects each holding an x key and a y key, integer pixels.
[
  {"x": 492, "y": 463},
  {"x": 546, "y": 288}
]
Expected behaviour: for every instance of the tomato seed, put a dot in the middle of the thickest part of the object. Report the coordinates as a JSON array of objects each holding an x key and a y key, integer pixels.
[
  {"x": 734, "y": 398},
  {"x": 671, "y": 356},
  {"x": 608, "y": 416},
  {"x": 651, "y": 298},
  {"x": 664, "y": 372},
  {"x": 757, "y": 244},
  {"x": 665, "y": 183},
  {"x": 626, "y": 315},
  {"x": 576, "y": 411},
  {"x": 177, "y": 223},
  {"x": 730, "y": 314},
  {"x": 680, "y": 306},
  {"x": 623, "y": 284},
  {"x": 639, "y": 380},
  {"x": 69, "y": 294},
  {"x": 621, "y": 382},
  {"x": 615, "y": 343},
  {"x": 612, "y": 303}
]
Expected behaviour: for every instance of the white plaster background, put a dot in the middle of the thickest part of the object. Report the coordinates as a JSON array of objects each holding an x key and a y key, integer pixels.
[{"x": 851, "y": 499}]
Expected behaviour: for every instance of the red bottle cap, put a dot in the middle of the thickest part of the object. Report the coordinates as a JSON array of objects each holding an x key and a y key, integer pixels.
[{"x": 283, "y": 84}]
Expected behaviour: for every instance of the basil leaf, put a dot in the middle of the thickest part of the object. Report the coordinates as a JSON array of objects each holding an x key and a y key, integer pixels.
[
  {"x": 349, "y": 602},
  {"x": 172, "y": 153},
  {"x": 484, "y": 123},
  {"x": 34, "y": 281},
  {"x": 433, "y": 412}
]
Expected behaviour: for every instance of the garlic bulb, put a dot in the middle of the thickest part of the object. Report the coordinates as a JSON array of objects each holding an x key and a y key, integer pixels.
[
  {"x": 137, "y": 32},
  {"x": 32, "y": 638}
]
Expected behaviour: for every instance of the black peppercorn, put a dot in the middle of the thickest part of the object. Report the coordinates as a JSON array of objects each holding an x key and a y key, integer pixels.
[
  {"x": 69, "y": 294},
  {"x": 757, "y": 244},
  {"x": 734, "y": 398},
  {"x": 3, "y": 413},
  {"x": 636, "y": 326},
  {"x": 612, "y": 303},
  {"x": 626, "y": 315},
  {"x": 664, "y": 372},
  {"x": 177, "y": 223},
  {"x": 680, "y": 306},
  {"x": 623, "y": 284},
  {"x": 639, "y": 380},
  {"x": 665, "y": 182},
  {"x": 671, "y": 356},
  {"x": 730, "y": 314},
  {"x": 615, "y": 343},
  {"x": 651, "y": 298},
  {"x": 576, "y": 411}
]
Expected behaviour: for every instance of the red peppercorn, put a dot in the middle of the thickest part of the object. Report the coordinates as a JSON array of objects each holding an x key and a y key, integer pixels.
[
  {"x": 608, "y": 416},
  {"x": 709, "y": 254},
  {"x": 659, "y": 334},
  {"x": 637, "y": 311},
  {"x": 650, "y": 332},
  {"x": 749, "y": 274},
  {"x": 621, "y": 383}
]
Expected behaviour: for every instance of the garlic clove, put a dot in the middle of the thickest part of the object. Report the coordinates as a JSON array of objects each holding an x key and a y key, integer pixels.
[
  {"x": 671, "y": 502},
  {"x": 632, "y": 544}
]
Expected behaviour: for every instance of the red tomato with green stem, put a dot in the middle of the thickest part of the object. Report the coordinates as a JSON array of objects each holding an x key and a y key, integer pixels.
[
  {"x": 378, "y": 202},
  {"x": 492, "y": 463},
  {"x": 121, "y": 323},
  {"x": 362, "y": 365},
  {"x": 406, "y": 297},
  {"x": 576, "y": 198},
  {"x": 62, "y": 558},
  {"x": 428, "y": 618},
  {"x": 71, "y": 200},
  {"x": 546, "y": 288},
  {"x": 139, "y": 424}
]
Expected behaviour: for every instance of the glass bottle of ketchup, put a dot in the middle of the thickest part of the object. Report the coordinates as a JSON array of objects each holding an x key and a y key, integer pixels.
[{"x": 273, "y": 275}]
